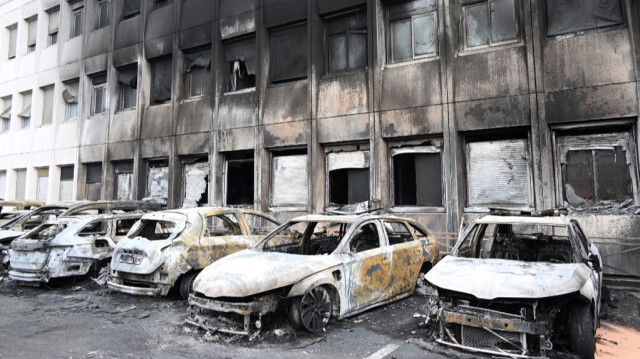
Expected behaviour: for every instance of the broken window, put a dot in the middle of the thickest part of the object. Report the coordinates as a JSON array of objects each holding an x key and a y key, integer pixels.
[
  {"x": 397, "y": 232},
  {"x": 156, "y": 230},
  {"x": 223, "y": 225},
  {"x": 102, "y": 14},
  {"x": 158, "y": 181},
  {"x": 413, "y": 30},
  {"x": 569, "y": 16},
  {"x": 66, "y": 183},
  {"x": 32, "y": 33},
  {"x": 197, "y": 70},
  {"x": 124, "y": 180},
  {"x": 94, "y": 181},
  {"x": 161, "y": 85},
  {"x": 241, "y": 62},
  {"x": 43, "y": 183},
  {"x": 596, "y": 167},
  {"x": 13, "y": 40},
  {"x": 196, "y": 182},
  {"x": 5, "y": 115},
  {"x": 499, "y": 173},
  {"x": 21, "y": 184},
  {"x": 76, "y": 18},
  {"x": 96, "y": 228},
  {"x": 130, "y": 8},
  {"x": 289, "y": 179},
  {"x": 124, "y": 225},
  {"x": 25, "y": 114},
  {"x": 260, "y": 225},
  {"x": 289, "y": 53},
  {"x": 348, "y": 177},
  {"x": 346, "y": 41},
  {"x": 489, "y": 22},
  {"x": 365, "y": 238},
  {"x": 239, "y": 179},
  {"x": 54, "y": 24},
  {"x": 70, "y": 97},
  {"x": 98, "y": 94},
  {"x": 128, "y": 83},
  {"x": 417, "y": 177},
  {"x": 47, "y": 105}
]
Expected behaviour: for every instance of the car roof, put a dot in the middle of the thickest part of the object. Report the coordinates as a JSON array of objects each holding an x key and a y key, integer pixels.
[
  {"x": 549, "y": 220},
  {"x": 347, "y": 218}
]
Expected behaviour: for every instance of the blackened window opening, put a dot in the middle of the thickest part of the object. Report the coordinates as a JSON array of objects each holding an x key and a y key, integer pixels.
[
  {"x": 417, "y": 179},
  {"x": 241, "y": 64},
  {"x": 349, "y": 185},
  {"x": 161, "y": 72},
  {"x": 240, "y": 176},
  {"x": 289, "y": 53},
  {"x": 569, "y": 16}
]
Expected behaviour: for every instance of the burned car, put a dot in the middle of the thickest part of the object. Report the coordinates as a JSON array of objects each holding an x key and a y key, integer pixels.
[
  {"x": 314, "y": 267},
  {"x": 520, "y": 284},
  {"x": 167, "y": 249},
  {"x": 68, "y": 246},
  {"x": 14, "y": 209}
]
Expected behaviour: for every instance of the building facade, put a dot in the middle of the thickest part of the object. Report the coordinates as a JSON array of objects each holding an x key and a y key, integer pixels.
[{"x": 436, "y": 109}]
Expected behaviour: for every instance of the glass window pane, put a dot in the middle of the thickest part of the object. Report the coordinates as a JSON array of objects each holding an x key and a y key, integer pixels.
[
  {"x": 289, "y": 53},
  {"x": 476, "y": 24},
  {"x": 338, "y": 53},
  {"x": 614, "y": 180},
  {"x": 504, "y": 24},
  {"x": 425, "y": 34},
  {"x": 357, "y": 51},
  {"x": 401, "y": 40},
  {"x": 72, "y": 111}
]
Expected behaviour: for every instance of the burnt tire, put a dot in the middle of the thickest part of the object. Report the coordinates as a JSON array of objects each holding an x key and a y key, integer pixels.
[
  {"x": 581, "y": 331},
  {"x": 186, "y": 284},
  {"x": 312, "y": 311}
]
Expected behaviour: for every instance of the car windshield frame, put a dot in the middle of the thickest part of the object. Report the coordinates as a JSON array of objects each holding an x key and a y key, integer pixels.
[{"x": 346, "y": 227}]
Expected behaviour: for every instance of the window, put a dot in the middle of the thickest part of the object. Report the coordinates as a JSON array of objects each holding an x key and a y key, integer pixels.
[
  {"x": 13, "y": 40},
  {"x": 5, "y": 115},
  {"x": 348, "y": 177},
  {"x": 499, "y": 173},
  {"x": 66, "y": 183},
  {"x": 124, "y": 180},
  {"x": 259, "y": 225},
  {"x": 103, "y": 14},
  {"x": 25, "y": 114},
  {"x": 397, "y": 232},
  {"x": 346, "y": 41},
  {"x": 76, "y": 18},
  {"x": 128, "y": 83},
  {"x": 158, "y": 181},
  {"x": 565, "y": 17},
  {"x": 70, "y": 97},
  {"x": 130, "y": 9},
  {"x": 289, "y": 53},
  {"x": 161, "y": 85},
  {"x": 413, "y": 30},
  {"x": 239, "y": 178},
  {"x": 489, "y": 22},
  {"x": 21, "y": 184},
  {"x": 94, "y": 181},
  {"x": 43, "y": 182},
  {"x": 54, "y": 24},
  {"x": 161, "y": 3},
  {"x": 47, "y": 105},
  {"x": 32, "y": 26},
  {"x": 596, "y": 168},
  {"x": 417, "y": 177},
  {"x": 197, "y": 73},
  {"x": 241, "y": 62},
  {"x": 98, "y": 94},
  {"x": 196, "y": 182},
  {"x": 365, "y": 238},
  {"x": 289, "y": 179},
  {"x": 3, "y": 183}
]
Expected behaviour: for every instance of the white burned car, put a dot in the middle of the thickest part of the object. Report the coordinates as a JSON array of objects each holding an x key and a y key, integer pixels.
[
  {"x": 68, "y": 246},
  {"x": 314, "y": 267},
  {"x": 519, "y": 285},
  {"x": 168, "y": 248}
]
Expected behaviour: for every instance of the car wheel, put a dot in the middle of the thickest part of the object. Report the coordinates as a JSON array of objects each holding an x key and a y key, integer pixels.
[
  {"x": 581, "y": 332},
  {"x": 312, "y": 311},
  {"x": 186, "y": 284}
]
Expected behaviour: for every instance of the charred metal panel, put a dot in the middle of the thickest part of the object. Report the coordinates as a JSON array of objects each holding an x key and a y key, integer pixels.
[
  {"x": 344, "y": 128},
  {"x": 126, "y": 56},
  {"x": 122, "y": 151},
  {"x": 412, "y": 122},
  {"x": 196, "y": 12},
  {"x": 599, "y": 58},
  {"x": 128, "y": 32},
  {"x": 328, "y": 6},
  {"x": 160, "y": 22},
  {"x": 190, "y": 144},
  {"x": 289, "y": 134},
  {"x": 287, "y": 102},
  {"x": 156, "y": 147},
  {"x": 280, "y": 12},
  {"x": 236, "y": 139},
  {"x": 98, "y": 42},
  {"x": 490, "y": 74},
  {"x": 194, "y": 116},
  {"x": 158, "y": 47},
  {"x": 419, "y": 85},
  {"x": 238, "y": 110},
  {"x": 196, "y": 36},
  {"x": 591, "y": 103},
  {"x": 124, "y": 126},
  {"x": 343, "y": 95},
  {"x": 96, "y": 64},
  {"x": 156, "y": 122},
  {"x": 509, "y": 111}
]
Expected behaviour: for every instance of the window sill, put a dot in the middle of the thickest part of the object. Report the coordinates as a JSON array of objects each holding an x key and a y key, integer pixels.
[
  {"x": 286, "y": 82},
  {"x": 415, "y": 209},
  {"x": 585, "y": 32},
  {"x": 332, "y": 75},
  {"x": 126, "y": 109},
  {"x": 96, "y": 115},
  {"x": 168, "y": 103},
  {"x": 412, "y": 62},
  {"x": 231, "y": 93},
  {"x": 194, "y": 99},
  {"x": 491, "y": 48},
  {"x": 486, "y": 209}
]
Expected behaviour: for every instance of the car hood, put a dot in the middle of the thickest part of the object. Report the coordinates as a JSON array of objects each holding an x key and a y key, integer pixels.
[
  {"x": 251, "y": 272},
  {"x": 501, "y": 278},
  {"x": 149, "y": 251}
]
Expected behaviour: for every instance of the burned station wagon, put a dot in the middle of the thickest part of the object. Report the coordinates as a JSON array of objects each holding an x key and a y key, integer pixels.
[
  {"x": 68, "y": 246},
  {"x": 520, "y": 284},
  {"x": 314, "y": 267},
  {"x": 168, "y": 248}
]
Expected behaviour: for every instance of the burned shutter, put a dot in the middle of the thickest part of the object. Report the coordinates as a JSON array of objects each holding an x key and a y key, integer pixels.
[
  {"x": 289, "y": 180},
  {"x": 43, "y": 182},
  {"x": 47, "y": 105},
  {"x": 130, "y": 8},
  {"x": 567, "y": 16},
  {"x": 158, "y": 181},
  {"x": 348, "y": 177},
  {"x": 161, "y": 86},
  {"x": 94, "y": 181},
  {"x": 197, "y": 67},
  {"x": 289, "y": 53},
  {"x": 498, "y": 173},
  {"x": 21, "y": 184},
  {"x": 66, "y": 183},
  {"x": 197, "y": 59},
  {"x": 70, "y": 92},
  {"x": 124, "y": 180},
  {"x": 196, "y": 183}
]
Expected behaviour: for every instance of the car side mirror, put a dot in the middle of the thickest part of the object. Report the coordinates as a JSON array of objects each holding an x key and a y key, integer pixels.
[{"x": 595, "y": 262}]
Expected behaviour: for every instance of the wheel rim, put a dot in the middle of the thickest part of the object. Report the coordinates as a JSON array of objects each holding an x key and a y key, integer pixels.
[{"x": 315, "y": 309}]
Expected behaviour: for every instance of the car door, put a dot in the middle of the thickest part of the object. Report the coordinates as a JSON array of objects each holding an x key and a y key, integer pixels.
[
  {"x": 587, "y": 249},
  {"x": 224, "y": 235},
  {"x": 407, "y": 256},
  {"x": 367, "y": 265}
]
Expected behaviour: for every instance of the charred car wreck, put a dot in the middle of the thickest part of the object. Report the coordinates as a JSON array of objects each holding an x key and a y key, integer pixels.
[
  {"x": 519, "y": 285},
  {"x": 314, "y": 267},
  {"x": 168, "y": 248}
]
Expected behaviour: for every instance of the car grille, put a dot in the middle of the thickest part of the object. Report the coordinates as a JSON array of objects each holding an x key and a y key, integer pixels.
[{"x": 481, "y": 338}]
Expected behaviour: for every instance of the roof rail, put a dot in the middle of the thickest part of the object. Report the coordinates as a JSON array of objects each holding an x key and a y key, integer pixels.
[{"x": 553, "y": 212}]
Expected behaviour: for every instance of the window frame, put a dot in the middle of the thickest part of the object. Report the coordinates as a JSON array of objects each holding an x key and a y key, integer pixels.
[
  {"x": 52, "y": 37},
  {"x": 6, "y": 121},
  {"x": 102, "y": 5},
  {"x": 411, "y": 16},
  {"x": 237, "y": 157},
  {"x": 32, "y": 47},
  {"x": 94, "y": 89},
  {"x": 75, "y": 31},
  {"x": 462, "y": 36},
  {"x": 278, "y": 30},
  {"x": 13, "y": 30},
  {"x": 292, "y": 207},
  {"x": 327, "y": 36},
  {"x": 25, "y": 122},
  {"x": 366, "y": 152},
  {"x": 545, "y": 23},
  {"x": 44, "y": 90}
]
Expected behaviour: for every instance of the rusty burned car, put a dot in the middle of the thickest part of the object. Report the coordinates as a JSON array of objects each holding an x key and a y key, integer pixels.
[
  {"x": 313, "y": 268},
  {"x": 167, "y": 249},
  {"x": 520, "y": 284},
  {"x": 68, "y": 247}
]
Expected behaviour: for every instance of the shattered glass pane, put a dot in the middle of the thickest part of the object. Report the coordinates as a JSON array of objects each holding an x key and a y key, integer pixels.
[
  {"x": 579, "y": 181},
  {"x": 196, "y": 184},
  {"x": 504, "y": 24},
  {"x": 612, "y": 171},
  {"x": 476, "y": 24},
  {"x": 424, "y": 32},
  {"x": 158, "y": 184},
  {"x": 401, "y": 40},
  {"x": 357, "y": 50},
  {"x": 338, "y": 53}
]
